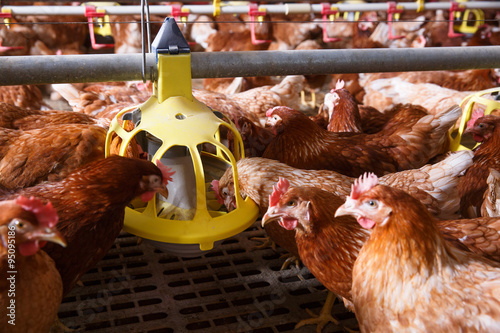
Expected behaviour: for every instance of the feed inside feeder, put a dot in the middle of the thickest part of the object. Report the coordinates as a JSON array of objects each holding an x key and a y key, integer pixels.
[{"x": 188, "y": 137}]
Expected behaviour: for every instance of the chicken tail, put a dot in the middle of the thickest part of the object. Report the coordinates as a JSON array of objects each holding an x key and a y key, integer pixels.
[
  {"x": 426, "y": 139},
  {"x": 290, "y": 87},
  {"x": 491, "y": 202},
  {"x": 443, "y": 179}
]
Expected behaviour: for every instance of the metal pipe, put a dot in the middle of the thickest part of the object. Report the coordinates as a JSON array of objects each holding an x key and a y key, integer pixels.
[
  {"x": 127, "y": 67},
  {"x": 270, "y": 8}
]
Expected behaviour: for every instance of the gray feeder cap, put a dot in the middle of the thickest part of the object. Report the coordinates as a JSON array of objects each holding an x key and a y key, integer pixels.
[{"x": 170, "y": 39}]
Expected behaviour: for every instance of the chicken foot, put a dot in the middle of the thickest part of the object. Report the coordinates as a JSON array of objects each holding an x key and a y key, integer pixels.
[
  {"x": 266, "y": 242},
  {"x": 289, "y": 258},
  {"x": 324, "y": 317}
]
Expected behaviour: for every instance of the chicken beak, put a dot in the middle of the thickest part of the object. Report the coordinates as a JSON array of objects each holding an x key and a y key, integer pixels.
[
  {"x": 49, "y": 235},
  {"x": 346, "y": 209},
  {"x": 270, "y": 215},
  {"x": 163, "y": 190}
]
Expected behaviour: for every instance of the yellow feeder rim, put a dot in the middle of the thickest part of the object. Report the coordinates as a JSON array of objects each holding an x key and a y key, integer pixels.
[
  {"x": 467, "y": 106},
  {"x": 166, "y": 115}
]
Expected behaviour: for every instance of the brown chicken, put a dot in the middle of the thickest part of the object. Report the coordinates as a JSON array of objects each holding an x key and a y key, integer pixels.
[
  {"x": 25, "y": 96},
  {"x": 329, "y": 246},
  {"x": 460, "y": 80},
  {"x": 30, "y": 285},
  {"x": 91, "y": 205},
  {"x": 230, "y": 86},
  {"x": 343, "y": 110},
  {"x": 258, "y": 100},
  {"x": 434, "y": 185},
  {"x": 254, "y": 103},
  {"x": 436, "y": 31},
  {"x": 424, "y": 284},
  {"x": 386, "y": 151},
  {"x": 255, "y": 138},
  {"x": 50, "y": 153},
  {"x": 291, "y": 30},
  {"x": 346, "y": 115},
  {"x": 97, "y": 98},
  {"x": 222, "y": 103},
  {"x": 14, "y": 117},
  {"x": 473, "y": 185},
  {"x": 382, "y": 94}
]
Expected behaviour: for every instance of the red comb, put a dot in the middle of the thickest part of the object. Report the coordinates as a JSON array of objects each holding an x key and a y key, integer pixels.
[
  {"x": 363, "y": 184},
  {"x": 278, "y": 190},
  {"x": 215, "y": 188},
  {"x": 340, "y": 84},
  {"x": 45, "y": 214},
  {"x": 269, "y": 112},
  {"x": 165, "y": 171},
  {"x": 476, "y": 114}
]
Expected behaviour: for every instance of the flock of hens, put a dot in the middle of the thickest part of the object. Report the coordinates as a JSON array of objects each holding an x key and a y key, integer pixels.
[{"x": 361, "y": 187}]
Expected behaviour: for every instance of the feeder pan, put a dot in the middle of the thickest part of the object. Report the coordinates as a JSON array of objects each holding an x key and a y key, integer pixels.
[
  {"x": 185, "y": 135},
  {"x": 467, "y": 105}
]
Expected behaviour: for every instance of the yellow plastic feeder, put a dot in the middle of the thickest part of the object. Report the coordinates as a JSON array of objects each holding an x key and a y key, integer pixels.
[
  {"x": 467, "y": 105},
  {"x": 185, "y": 135}
]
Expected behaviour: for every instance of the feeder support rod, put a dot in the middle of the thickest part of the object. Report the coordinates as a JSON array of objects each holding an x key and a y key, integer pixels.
[
  {"x": 21, "y": 70},
  {"x": 289, "y": 8}
]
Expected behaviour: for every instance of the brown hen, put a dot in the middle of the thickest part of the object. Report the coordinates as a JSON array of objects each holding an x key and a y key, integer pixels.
[
  {"x": 424, "y": 284},
  {"x": 91, "y": 205},
  {"x": 50, "y": 153},
  {"x": 329, "y": 245},
  {"x": 394, "y": 149},
  {"x": 30, "y": 285},
  {"x": 473, "y": 185},
  {"x": 434, "y": 185}
]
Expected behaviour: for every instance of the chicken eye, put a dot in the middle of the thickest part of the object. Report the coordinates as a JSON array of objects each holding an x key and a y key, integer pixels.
[
  {"x": 372, "y": 203},
  {"x": 276, "y": 118},
  {"x": 480, "y": 125},
  {"x": 225, "y": 192},
  {"x": 290, "y": 203},
  {"x": 18, "y": 224}
]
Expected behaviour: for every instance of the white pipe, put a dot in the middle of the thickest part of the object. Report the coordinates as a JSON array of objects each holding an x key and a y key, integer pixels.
[{"x": 290, "y": 8}]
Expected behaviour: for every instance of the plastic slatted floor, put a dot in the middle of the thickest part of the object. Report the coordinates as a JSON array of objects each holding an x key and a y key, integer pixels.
[{"x": 234, "y": 288}]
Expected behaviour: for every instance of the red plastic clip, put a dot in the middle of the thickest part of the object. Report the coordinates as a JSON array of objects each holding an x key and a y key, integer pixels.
[
  {"x": 181, "y": 15},
  {"x": 90, "y": 13},
  {"x": 328, "y": 14},
  {"x": 392, "y": 9},
  {"x": 253, "y": 10},
  {"x": 8, "y": 48},
  {"x": 455, "y": 7}
]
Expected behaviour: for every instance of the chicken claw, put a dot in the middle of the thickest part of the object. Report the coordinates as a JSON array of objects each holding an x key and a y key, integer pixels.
[
  {"x": 266, "y": 242},
  {"x": 324, "y": 316},
  {"x": 289, "y": 258}
]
